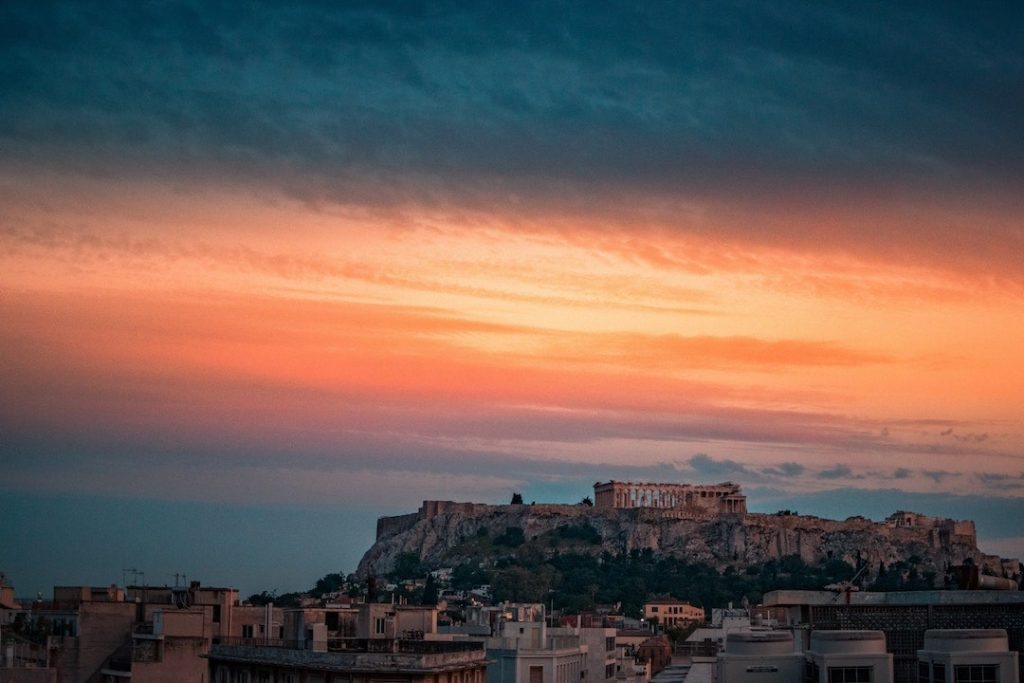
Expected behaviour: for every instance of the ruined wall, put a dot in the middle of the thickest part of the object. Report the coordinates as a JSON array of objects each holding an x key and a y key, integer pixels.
[
  {"x": 723, "y": 498},
  {"x": 389, "y": 526},
  {"x": 392, "y": 526},
  {"x": 437, "y": 507}
]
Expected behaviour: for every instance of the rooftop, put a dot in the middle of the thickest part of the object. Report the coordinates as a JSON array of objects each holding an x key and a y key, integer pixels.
[
  {"x": 356, "y": 654},
  {"x": 936, "y": 597}
]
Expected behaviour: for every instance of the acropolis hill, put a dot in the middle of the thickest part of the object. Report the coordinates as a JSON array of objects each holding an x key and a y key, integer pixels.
[{"x": 693, "y": 522}]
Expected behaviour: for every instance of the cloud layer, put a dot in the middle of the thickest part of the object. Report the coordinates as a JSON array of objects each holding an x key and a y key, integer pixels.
[{"x": 320, "y": 251}]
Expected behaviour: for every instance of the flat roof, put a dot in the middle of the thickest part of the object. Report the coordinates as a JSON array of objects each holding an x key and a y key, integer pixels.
[{"x": 934, "y": 597}]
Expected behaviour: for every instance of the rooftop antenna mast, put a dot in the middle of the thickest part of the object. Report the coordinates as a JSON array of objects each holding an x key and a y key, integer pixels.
[
  {"x": 844, "y": 588},
  {"x": 136, "y": 575}
]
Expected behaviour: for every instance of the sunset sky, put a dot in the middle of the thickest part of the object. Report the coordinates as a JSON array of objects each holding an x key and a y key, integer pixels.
[{"x": 268, "y": 273}]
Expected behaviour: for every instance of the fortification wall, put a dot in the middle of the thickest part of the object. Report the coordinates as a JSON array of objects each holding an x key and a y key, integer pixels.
[
  {"x": 392, "y": 526},
  {"x": 432, "y": 508},
  {"x": 965, "y": 527}
]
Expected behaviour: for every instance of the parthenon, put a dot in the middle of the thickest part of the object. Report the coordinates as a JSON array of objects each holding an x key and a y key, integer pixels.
[{"x": 716, "y": 498}]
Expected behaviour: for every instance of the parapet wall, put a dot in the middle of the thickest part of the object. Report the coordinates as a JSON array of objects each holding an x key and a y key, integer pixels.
[
  {"x": 431, "y": 508},
  {"x": 912, "y": 520}
]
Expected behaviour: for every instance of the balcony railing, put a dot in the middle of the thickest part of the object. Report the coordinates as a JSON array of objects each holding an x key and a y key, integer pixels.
[
  {"x": 261, "y": 642},
  {"x": 382, "y": 645}
]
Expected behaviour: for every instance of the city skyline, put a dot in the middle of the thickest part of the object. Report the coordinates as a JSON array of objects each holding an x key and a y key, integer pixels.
[{"x": 268, "y": 275}]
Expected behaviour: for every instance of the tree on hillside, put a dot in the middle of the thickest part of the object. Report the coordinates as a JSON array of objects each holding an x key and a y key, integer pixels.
[
  {"x": 430, "y": 591},
  {"x": 512, "y": 538},
  {"x": 517, "y": 498},
  {"x": 328, "y": 584},
  {"x": 407, "y": 566}
]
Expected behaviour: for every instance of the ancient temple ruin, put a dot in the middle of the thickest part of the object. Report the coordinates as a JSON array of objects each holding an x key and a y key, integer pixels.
[{"x": 724, "y": 498}]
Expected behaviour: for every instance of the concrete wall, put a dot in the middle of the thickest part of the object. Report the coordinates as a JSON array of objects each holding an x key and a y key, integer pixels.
[
  {"x": 256, "y": 617},
  {"x": 555, "y": 666},
  {"x": 181, "y": 661},
  {"x": 415, "y": 619},
  {"x": 103, "y": 627},
  {"x": 191, "y": 623},
  {"x": 601, "y": 650}
]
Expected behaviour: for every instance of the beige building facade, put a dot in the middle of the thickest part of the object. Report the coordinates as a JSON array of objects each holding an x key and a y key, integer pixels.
[
  {"x": 143, "y": 634},
  {"x": 672, "y": 613}
]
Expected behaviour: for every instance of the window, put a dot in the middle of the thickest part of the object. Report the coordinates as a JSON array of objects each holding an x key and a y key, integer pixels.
[
  {"x": 216, "y": 614},
  {"x": 924, "y": 674},
  {"x": 654, "y": 608},
  {"x": 849, "y": 674},
  {"x": 247, "y": 630},
  {"x": 939, "y": 673},
  {"x": 976, "y": 673},
  {"x": 811, "y": 672},
  {"x": 379, "y": 625},
  {"x": 609, "y": 644},
  {"x": 609, "y": 671},
  {"x": 536, "y": 674}
]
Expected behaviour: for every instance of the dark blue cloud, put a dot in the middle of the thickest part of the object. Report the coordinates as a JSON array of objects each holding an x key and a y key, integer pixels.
[
  {"x": 664, "y": 96},
  {"x": 938, "y": 475},
  {"x": 706, "y": 466},
  {"x": 839, "y": 472},
  {"x": 786, "y": 469}
]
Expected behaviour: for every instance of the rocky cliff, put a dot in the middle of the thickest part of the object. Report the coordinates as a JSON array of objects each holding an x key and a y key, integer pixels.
[{"x": 442, "y": 534}]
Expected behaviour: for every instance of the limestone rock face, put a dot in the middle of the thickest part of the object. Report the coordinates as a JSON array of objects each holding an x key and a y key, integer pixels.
[{"x": 442, "y": 535}]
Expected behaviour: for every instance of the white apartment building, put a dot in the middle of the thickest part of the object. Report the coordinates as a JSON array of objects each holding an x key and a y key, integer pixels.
[
  {"x": 967, "y": 656},
  {"x": 759, "y": 657},
  {"x": 847, "y": 657}
]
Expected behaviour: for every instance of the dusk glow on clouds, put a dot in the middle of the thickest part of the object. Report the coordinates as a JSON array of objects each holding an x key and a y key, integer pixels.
[{"x": 354, "y": 258}]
